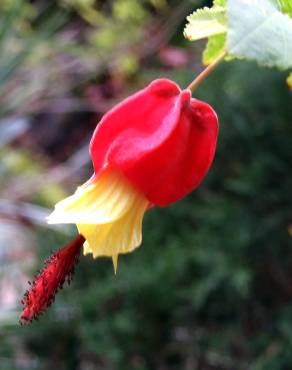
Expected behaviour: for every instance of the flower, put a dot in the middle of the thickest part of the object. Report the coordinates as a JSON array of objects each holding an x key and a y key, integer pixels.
[{"x": 152, "y": 149}]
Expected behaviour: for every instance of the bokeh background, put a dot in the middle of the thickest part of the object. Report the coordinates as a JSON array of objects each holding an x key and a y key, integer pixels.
[{"x": 211, "y": 286}]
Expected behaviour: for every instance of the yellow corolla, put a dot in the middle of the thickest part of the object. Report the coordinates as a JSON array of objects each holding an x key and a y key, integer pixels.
[{"x": 108, "y": 212}]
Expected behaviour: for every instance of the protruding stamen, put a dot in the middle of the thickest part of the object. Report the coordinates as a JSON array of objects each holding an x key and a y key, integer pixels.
[{"x": 58, "y": 268}]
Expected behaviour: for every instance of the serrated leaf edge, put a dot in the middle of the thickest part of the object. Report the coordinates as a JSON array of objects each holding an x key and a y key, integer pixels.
[{"x": 213, "y": 12}]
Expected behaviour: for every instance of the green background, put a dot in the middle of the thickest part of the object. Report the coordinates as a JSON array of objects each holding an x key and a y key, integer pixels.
[{"x": 211, "y": 286}]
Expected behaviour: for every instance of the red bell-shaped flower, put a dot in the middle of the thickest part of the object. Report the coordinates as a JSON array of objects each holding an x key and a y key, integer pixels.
[
  {"x": 160, "y": 138},
  {"x": 151, "y": 149}
]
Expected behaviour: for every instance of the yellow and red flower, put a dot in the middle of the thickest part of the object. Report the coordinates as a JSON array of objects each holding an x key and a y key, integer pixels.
[{"x": 152, "y": 149}]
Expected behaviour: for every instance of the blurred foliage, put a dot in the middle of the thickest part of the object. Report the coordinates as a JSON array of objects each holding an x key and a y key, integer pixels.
[
  {"x": 211, "y": 286},
  {"x": 116, "y": 26},
  {"x": 43, "y": 43}
]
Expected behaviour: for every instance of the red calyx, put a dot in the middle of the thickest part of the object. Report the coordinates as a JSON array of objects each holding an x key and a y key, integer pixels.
[
  {"x": 58, "y": 268},
  {"x": 160, "y": 138}
]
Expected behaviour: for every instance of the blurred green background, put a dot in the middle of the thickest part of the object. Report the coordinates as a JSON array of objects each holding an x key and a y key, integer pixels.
[{"x": 211, "y": 286}]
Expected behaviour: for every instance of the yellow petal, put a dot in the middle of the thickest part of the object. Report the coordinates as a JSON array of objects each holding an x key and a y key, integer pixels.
[
  {"x": 120, "y": 236},
  {"x": 103, "y": 200},
  {"x": 115, "y": 262},
  {"x": 108, "y": 212}
]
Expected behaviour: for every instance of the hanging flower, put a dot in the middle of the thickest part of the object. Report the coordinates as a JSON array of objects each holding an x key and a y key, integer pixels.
[{"x": 152, "y": 149}]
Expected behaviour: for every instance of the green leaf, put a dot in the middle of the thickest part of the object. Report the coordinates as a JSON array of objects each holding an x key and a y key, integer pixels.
[
  {"x": 206, "y": 22},
  {"x": 215, "y": 47},
  {"x": 286, "y": 6},
  {"x": 263, "y": 34},
  {"x": 211, "y": 23},
  {"x": 289, "y": 80},
  {"x": 220, "y": 3}
]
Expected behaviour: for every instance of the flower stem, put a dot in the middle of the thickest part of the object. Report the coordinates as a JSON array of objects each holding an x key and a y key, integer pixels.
[{"x": 205, "y": 73}]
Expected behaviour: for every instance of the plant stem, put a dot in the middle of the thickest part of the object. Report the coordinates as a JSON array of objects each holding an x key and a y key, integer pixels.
[{"x": 205, "y": 73}]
